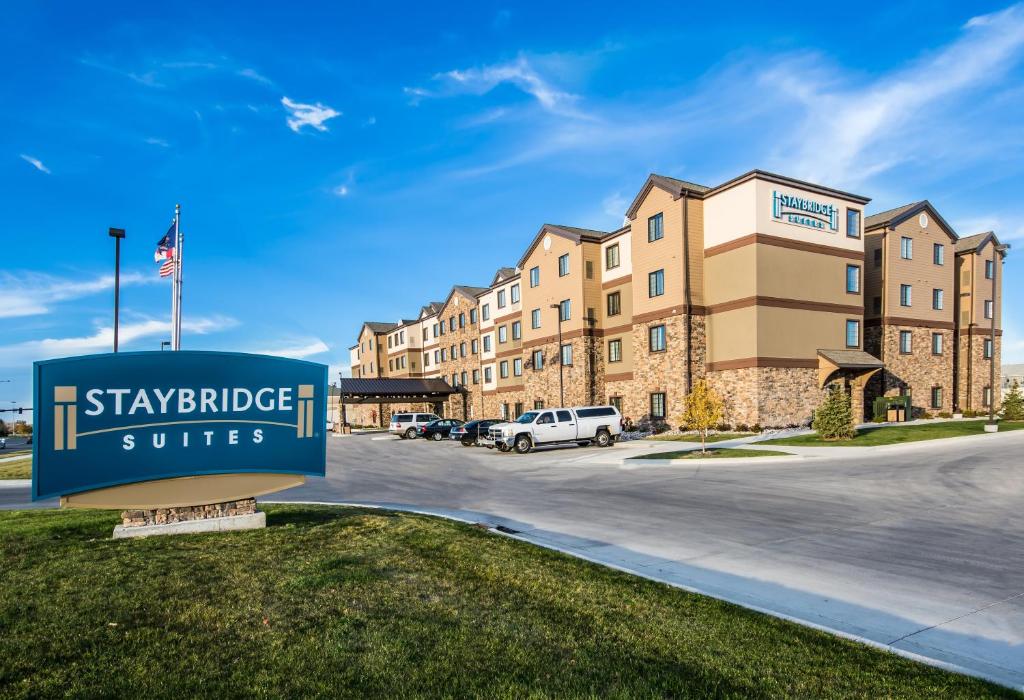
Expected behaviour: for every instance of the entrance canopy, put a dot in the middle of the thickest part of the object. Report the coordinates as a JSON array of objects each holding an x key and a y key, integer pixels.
[
  {"x": 851, "y": 364},
  {"x": 357, "y": 391}
]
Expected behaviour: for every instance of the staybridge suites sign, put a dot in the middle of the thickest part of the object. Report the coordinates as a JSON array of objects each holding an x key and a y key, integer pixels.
[
  {"x": 804, "y": 212},
  {"x": 109, "y": 420}
]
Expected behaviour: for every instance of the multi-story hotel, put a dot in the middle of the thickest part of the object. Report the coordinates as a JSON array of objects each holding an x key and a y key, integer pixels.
[{"x": 768, "y": 287}]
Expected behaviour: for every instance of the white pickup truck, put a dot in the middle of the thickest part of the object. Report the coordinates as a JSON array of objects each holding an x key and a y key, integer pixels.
[{"x": 598, "y": 425}]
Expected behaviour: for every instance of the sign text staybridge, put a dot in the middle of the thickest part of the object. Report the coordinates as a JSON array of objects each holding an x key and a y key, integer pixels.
[{"x": 106, "y": 420}]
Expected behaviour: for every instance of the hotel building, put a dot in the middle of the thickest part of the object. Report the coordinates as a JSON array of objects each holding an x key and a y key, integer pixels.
[{"x": 769, "y": 287}]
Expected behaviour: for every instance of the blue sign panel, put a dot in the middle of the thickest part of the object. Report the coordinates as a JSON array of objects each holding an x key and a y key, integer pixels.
[{"x": 105, "y": 420}]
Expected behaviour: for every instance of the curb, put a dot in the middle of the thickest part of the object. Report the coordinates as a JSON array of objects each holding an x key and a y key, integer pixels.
[{"x": 702, "y": 461}]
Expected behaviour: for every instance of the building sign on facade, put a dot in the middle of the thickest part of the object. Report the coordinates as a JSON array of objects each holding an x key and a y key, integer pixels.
[
  {"x": 804, "y": 212},
  {"x": 109, "y": 420}
]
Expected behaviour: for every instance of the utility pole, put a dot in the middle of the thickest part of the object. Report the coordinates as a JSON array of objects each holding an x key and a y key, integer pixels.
[
  {"x": 117, "y": 234},
  {"x": 561, "y": 382}
]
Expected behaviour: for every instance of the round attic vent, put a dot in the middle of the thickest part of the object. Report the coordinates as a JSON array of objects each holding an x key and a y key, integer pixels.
[
  {"x": 923, "y": 220},
  {"x": 547, "y": 242}
]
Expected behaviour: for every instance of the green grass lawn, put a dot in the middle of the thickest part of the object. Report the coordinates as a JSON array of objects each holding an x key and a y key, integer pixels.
[
  {"x": 345, "y": 602},
  {"x": 715, "y": 452},
  {"x": 892, "y": 435},
  {"x": 713, "y": 437},
  {"x": 16, "y": 468}
]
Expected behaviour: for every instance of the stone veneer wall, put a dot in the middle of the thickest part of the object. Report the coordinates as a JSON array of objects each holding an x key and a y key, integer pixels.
[
  {"x": 972, "y": 350},
  {"x": 162, "y": 516},
  {"x": 918, "y": 371},
  {"x": 494, "y": 399},
  {"x": 772, "y": 397},
  {"x": 583, "y": 380},
  {"x": 663, "y": 371}
]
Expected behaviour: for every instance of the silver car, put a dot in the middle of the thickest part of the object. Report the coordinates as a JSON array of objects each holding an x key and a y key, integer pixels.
[{"x": 407, "y": 425}]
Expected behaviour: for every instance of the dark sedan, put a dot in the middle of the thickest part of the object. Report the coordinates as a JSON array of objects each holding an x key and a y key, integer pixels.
[
  {"x": 438, "y": 429},
  {"x": 469, "y": 433}
]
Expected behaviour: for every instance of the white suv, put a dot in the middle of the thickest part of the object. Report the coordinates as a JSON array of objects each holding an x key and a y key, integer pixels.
[
  {"x": 586, "y": 425},
  {"x": 406, "y": 425}
]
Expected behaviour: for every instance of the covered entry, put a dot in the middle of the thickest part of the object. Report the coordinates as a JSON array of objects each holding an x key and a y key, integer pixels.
[
  {"x": 851, "y": 367},
  {"x": 389, "y": 391}
]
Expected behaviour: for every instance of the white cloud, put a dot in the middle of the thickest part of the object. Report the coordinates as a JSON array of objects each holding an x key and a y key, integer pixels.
[
  {"x": 341, "y": 190},
  {"x": 31, "y": 294},
  {"x": 521, "y": 74},
  {"x": 301, "y": 351},
  {"x": 153, "y": 141},
  {"x": 874, "y": 127},
  {"x": 308, "y": 115},
  {"x": 36, "y": 163},
  {"x": 252, "y": 74},
  {"x": 615, "y": 204},
  {"x": 102, "y": 340}
]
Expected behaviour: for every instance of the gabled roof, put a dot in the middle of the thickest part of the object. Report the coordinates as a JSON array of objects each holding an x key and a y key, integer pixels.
[
  {"x": 896, "y": 216},
  {"x": 431, "y": 309},
  {"x": 974, "y": 244},
  {"x": 379, "y": 326},
  {"x": 572, "y": 233},
  {"x": 670, "y": 184},
  {"x": 851, "y": 359},
  {"x": 503, "y": 274},
  {"x": 465, "y": 290}
]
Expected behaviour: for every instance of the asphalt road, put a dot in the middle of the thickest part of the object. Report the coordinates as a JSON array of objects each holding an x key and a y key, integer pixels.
[{"x": 917, "y": 547}]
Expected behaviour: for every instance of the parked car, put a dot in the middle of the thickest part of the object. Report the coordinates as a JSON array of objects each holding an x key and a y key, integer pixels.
[
  {"x": 407, "y": 425},
  {"x": 598, "y": 425},
  {"x": 470, "y": 433},
  {"x": 438, "y": 429}
]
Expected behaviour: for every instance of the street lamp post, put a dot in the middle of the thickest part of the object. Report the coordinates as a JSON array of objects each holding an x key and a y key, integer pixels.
[
  {"x": 117, "y": 234},
  {"x": 992, "y": 425},
  {"x": 561, "y": 381}
]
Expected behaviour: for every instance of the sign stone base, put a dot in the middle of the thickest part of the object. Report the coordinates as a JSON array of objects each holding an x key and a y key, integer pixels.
[{"x": 214, "y": 517}]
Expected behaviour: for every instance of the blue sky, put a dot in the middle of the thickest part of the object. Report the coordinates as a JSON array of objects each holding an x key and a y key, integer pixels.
[{"x": 342, "y": 163}]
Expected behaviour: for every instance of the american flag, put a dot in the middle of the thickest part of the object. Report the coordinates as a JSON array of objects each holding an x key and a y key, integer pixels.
[{"x": 165, "y": 252}]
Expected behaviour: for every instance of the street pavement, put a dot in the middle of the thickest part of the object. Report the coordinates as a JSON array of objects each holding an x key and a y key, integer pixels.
[{"x": 915, "y": 547}]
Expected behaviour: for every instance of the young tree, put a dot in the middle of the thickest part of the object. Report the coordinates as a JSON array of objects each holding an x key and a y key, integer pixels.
[
  {"x": 3, "y": 429},
  {"x": 1013, "y": 403},
  {"x": 834, "y": 418},
  {"x": 703, "y": 411}
]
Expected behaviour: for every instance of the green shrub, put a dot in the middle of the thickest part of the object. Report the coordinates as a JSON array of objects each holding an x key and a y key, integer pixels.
[
  {"x": 1013, "y": 403},
  {"x": 834, "y": 418},
  {"x": 945, "y": 414}
]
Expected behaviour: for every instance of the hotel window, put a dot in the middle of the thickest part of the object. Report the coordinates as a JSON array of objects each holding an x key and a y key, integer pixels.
[
  {"x": 655, "y": 228},
  {"x": 514, "y": 292},
  {"x": 437, "y": 356},
  {"x": 936, "y": 343},
  {"x": 438, "y": 330},
  {"x": 463, "y": 378},
  {"x": 907, "y": 248},
  {"x": 852, "y": 333},
  {"x": 563, "y": 265},
  {"x": 852, "y": 223},
  {"x": 538, "y": 360},
  {"x": 487, "y": 343},
  {"x": 656, "y": 338},
  {"x": 462, "y": 320},
  {"x": 502, "y": 334},
  {"x": 389, "y": 341},
  {"x": 987, "y": 348},
  {"x": 564, "y": 310},
  {"x": 488, "y": 375},
  {"x": 426, "y": 359},
  {"x": 989, "y": 269},
  {"x": 454, "y": 352},
  {"x": 936, "y": 397},
  {"x": 517, "y": 330},
  {"x": 611, "y": 257},
  {"x": 476, "y": 376},
  {"x": 567, "y": 355},
  {"x": 519, "y": 409},
  {"x": 503, "y": 369},
  {"x": 658, "y": 405},
  {"x": 455, "y": 379},
  {"x": 876, "y": 306},
  {"x": 656, "y": 283},
  {"x": 425, "y": 333},
  {"x": 371, "y": 366},
  {"x": 485, "y": 312},
  {"x": 853, "y": 279},
  {"x": 504, "y": 411},
  {"x": 401, "y": 337},
  {"x": 474, "y": 346},
  {"x": 938, "y": 254},
  {"x": 472, "y": 316},
  {"x": 371, "y": 343},
  {"x": 614, "y": 303},
  {"x": 534, "y": 276},
  {"x": 517, "y": 367},
  {"x": 986, "y": 396},
  {"x": 615, "y": 351},
  {"x": 988, "y": 308},
  {"x": 937, "y": 299},
  {"x": 501, "y": 298},
  {"x": 588, "y": 267},
  {"x": 444, "y": 354},
  {"x": 451, "y": 324},
  {"x": 878, "y": 257},
  {"x": 535, "y": 318},
  {"x": 538, "y": 405},
  {"x": 906, "y": 342},
  {"x": 391, "y": 365},
  {"x": 906, "y": 296},
  {"x": 403, "y": 362}
]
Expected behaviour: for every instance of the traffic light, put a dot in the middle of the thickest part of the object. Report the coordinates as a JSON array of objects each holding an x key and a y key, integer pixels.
[{"x": 20, "y": 409}]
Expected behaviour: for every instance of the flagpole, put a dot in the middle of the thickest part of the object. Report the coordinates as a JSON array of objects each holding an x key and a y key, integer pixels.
[
  {"x": 179, "y": 242},
  {"x": 174, "y": 289}
]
